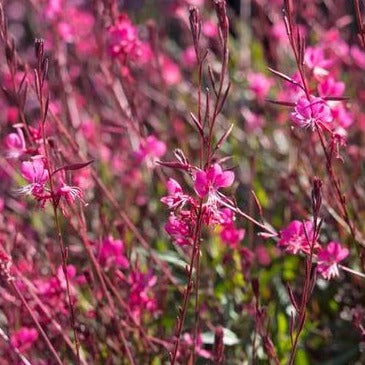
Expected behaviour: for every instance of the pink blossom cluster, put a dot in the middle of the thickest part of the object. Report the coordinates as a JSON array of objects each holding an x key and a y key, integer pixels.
[
  {"x": 51, "y": 288},
  {"x": 229, "y": 234},
  {"x": 125, "y": 43},
  {"x": 184, "y": 207},
  {"x": 141, "y": 296},
  {"x": 112, "y": 254},
  {"x": 311, "y": 113},
  {"x": 139, "y": 285},
  {"x": 24, "y": 338},
  {"x": 298, "y": 238},
  {"x": 150, "y": 149},
  {"x": 71, "y": 24},
  {"x": 319, "y": 99},
  {"x": 37, "y": 175},
  {"x": 33, "y": 168}
]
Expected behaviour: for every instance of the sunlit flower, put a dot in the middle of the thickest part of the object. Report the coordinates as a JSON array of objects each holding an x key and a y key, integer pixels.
[
  {"x": 297, "y": 237},
  {"x": 308, "y": 114},
  {"x": 208, "y": 182},
  {"x": 328, "y": 259},
  {"x": 37, "y": 175}
]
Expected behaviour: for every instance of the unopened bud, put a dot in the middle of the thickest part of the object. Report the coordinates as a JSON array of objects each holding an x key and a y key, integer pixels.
[
  {"x": 223, "y": 23},
  {"x": 316, "y": 195},
  {"x": 195, "y": 27}
]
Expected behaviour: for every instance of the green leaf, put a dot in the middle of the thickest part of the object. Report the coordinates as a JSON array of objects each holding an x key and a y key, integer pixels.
[{"x": 172, "y": 258}]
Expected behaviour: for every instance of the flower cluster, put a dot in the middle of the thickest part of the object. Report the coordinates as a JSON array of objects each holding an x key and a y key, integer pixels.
[
  {"x": 298, "y": 238},
  {"x": 112, "y": 254},
  {"x": 37, "y": 176},
  {"x": 329, "y": 258},
  {"x": 141, "y": 296},
  {"x": 209, "y": 201},
  {"x": 24, "y": 338},
  {"x": 229, "y": 234},
  {"x": 51, "y": 288},
  {"x": 309, "y": 113},
  {"x": 125, "y": 43},
  {"x": 149, "y": 150},
  {"x": 34, "y": 169}
]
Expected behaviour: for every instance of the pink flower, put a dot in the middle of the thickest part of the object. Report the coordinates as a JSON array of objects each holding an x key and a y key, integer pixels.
[
  {"x": 124, "y": 41},
  {"x": 226, "y": 216},
  {"x": 199, "y": 345},
  {"x": 179, "y": 229},
  {"x": 294, "y": 239},
  {"x": 140, "y": 297},
  {"x": 262, "y": 255},
  {"x": 151, "y": 148},
  {"x": 278, "y": 32},
  {"x": 208, "y": 182},
  {"x": 112, "y": 253},
  {"x": 329, "y": 257},
  {"x": 34, "y": 171},
  {"x": 176, "y": 197},
  {"x": 331, "y": 87},
  {"x": 342, "y": 116},
  {"x": 70, "y": 193},
  {"x": 37, "y": 175},
  {"x": 259, "y": 84},
  {"x": 231, "y": 235},
  {"x": 122, "y": 36},
  {"x": 170, "y": 71},
  {"x": 188, "y": 58},
  {"x": 71, "y": 276},
  {"x": 210, "y": 29},
  {"x": 66, "y": 32},
  {"x": 253, "y": 121},
  {"x": 15, "y": 144},
  {"x": 315, "y": 59},
  {"x": 24, "y": 339},
  {"x": 309, "y": 113},
  {"x": 53, "y": 9}
]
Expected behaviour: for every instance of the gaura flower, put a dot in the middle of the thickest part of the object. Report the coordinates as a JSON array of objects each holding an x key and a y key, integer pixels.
[
  {"x": 208, "y": 182},
  {"x": 328, "y": 259},
  {"x": 294, "y": 239},
  {"x": 308, "y": 113}
]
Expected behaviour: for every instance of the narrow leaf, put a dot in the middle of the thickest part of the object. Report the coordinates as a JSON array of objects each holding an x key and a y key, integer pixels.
[{"x": 76, "y": 166}]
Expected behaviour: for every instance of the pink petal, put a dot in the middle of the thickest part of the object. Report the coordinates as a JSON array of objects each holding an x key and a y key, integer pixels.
[
  {"x": 224, "y": 180},
  {"x": 213, "y": 172},
  {"x": 27, "y": 170},
  {"x": 173, "y": 186},
  {"x": 201, "y": 184}
]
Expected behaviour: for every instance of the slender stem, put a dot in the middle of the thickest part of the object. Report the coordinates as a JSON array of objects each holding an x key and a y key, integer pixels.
[
  {"x": 36, "y": 322},
  {"x": 351, "y": 271},
  {"x": 104, "y": 283},
  {"x": 182, "y": 310},
  {"x": 238, "y": 211},
  {"x": 15, "y": 349},
  {"x": 336, "y": 184},
  {"x": 64, "y": 269},
  {"x": 304, "y": 299},
  {"x": 47, "y": 313},
  {"x": 197, "y": 309},
  {"x": 218, "y": 100},
  {"x": 58, "y": 227}
]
